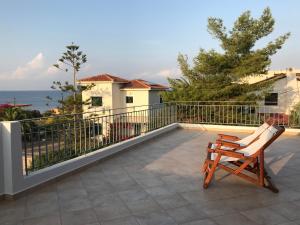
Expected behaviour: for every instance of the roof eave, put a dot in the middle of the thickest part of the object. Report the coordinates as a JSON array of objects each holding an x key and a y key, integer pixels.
[
  {"x": 275, "y": 78},
  {"x": 135, "y": 89}
]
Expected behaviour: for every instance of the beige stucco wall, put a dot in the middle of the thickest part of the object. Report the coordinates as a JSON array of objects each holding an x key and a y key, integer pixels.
[
  {"x": 118, "y": 101},
  {"x": 288, "y": 90},
  {"x": 140, "y": 99},
  {"x": 114, "y": 98},
  {"x": 103, "y": 89},
  {"x": 154, "y": 97}
]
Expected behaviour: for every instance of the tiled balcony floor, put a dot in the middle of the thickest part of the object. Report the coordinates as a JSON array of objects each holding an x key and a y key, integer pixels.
[{"x": 159, "y": 182}]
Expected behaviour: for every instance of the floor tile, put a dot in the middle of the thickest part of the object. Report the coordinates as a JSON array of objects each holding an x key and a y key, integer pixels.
[
  {"x": 43, "y": 220},
  {"x": 113, "y": 211},
  {"x": 124, "y": 221},
  {"x": 171, "y": 201},
  {"x": 288, "y": 210},
  {"x": 143, "y": 206},
  {"x": 264, "y": 216},
  {"x": 82, "y": 217},
  {"x": 186, "y": 214},
  {"x": 155, "y": 218},
  {"x": 233, "y": 219},
  {"x": 201, "y": 222}
]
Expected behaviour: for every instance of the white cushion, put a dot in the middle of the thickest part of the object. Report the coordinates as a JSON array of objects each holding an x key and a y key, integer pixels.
[
  {"x": 263, "y": 139},
  {"x": 247, "y": 140},
  {"x": 223, "y": 158},
  {"x": 252, "y": 148}
]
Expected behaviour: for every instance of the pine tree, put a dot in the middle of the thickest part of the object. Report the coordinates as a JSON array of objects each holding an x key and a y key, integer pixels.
[{"x": 218, "y": 75}]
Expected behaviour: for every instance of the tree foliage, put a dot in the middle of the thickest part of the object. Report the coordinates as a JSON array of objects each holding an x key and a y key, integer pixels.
[
  {"x": 68, "y": 104},
  {"x": 17, "y": 113},
  {"x": 71, "y": 101},
  {"x": 72, "y": 59},
  {"x": 219, "y": 75}
]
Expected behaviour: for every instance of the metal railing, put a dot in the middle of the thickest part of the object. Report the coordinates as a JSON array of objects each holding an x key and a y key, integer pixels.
[
  {"x": 94, "y": 111},
  {"x": 50, "y": 140},
  {"x": 234, "y": 113}
]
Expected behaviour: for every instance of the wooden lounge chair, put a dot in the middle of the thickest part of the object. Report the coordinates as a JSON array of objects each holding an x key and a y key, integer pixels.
[
  {"x": 247, "y": 163},
  {"x": 237, "y": 143}
]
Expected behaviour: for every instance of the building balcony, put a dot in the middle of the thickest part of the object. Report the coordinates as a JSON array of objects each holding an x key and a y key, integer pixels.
[{"x": 151, "y": 178}]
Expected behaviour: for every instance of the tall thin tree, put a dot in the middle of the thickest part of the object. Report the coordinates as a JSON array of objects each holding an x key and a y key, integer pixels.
[{"x": 72, "y": 59}]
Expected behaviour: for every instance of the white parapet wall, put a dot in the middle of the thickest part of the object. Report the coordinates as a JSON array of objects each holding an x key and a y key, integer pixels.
[
  {"x": 15, "y": 182},
  {"x": 229, "y": 128},
  {"x": 1, "y": 165},
  {"x": 11, "y": 153}
]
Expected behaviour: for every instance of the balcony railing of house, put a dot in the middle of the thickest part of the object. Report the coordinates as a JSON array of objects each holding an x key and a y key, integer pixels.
[{"x": 50, "y": 140}]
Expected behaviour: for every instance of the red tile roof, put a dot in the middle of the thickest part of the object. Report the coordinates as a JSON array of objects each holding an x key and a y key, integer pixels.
[
  {"x": 105, "y": 77},
  {"x": 143, "y": 84},
  {"x": 128, "y": 84}
]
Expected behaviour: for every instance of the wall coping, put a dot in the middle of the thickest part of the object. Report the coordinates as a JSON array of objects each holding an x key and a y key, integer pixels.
[{"x": 229, "y": 128}]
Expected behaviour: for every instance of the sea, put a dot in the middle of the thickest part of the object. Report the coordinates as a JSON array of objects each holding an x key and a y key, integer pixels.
[{"x": 37, "y": 99}]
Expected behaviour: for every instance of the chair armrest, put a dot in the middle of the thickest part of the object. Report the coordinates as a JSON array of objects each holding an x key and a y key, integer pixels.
[
  {"x": 228, "y": 137},
  {"x": 229, "y": 153},
  {"x": 229, "y": 144}
]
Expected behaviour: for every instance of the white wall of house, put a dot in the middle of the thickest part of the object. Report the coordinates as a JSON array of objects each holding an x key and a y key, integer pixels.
[
  {"x": 288, "y": 93},
  {"x": 117, "y": 97},
  {"x": 101, "y": 89},
  {"x": 113, "y": 97},
  {"x": 114, "y": 102},
  {"x": 154, "y": 97},
  {"x": 288, "y": 90},
  {"x": 140, "y": 99}
]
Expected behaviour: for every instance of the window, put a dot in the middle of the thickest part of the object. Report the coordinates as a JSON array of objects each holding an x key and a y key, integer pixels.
[
  {"x": 96, "y": 101},
  {"x": 129, "y": 99},
  {"x": 160, "y": 99},
  {"x": 94, "y": 129},
  {"x": 271, "y": 99}
]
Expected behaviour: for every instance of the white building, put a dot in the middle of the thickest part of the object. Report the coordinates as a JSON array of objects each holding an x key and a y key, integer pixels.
[
  {"x": 113, "y": 95},
  {"x": 111, "y": 92},
  {"x": 285, "y": 92}
]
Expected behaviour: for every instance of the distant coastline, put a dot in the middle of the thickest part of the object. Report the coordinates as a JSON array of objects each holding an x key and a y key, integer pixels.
[{"x": 37, "y": 98}]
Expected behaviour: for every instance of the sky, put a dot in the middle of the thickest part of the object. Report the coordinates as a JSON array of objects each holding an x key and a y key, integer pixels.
[{"x": 127, "y": 38}]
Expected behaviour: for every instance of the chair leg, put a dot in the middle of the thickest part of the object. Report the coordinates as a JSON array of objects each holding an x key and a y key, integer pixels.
[
  {"x": 206, "y": 167},
  {"x": 205, "y": 185},
  {"x": 210, "y": 171},
  {"x": 261, "y": 169},
  {"x": 264, "y": 179},
  {"x": 269, "y": 184},
  {"x": 206, "y": 179}
]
